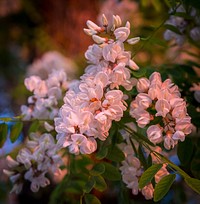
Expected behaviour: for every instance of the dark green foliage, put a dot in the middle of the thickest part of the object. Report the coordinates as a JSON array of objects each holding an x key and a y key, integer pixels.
[
  {"x": 3, "y": 133},
  {"x": 185, "y": 151},
  {"x": 148, "y": 175},
  {"x": 163, "y": 186},
  {"x": 91, "y": 199},
  {"x": 111, "y": 172},
  {"x": 15, "y": 131}
]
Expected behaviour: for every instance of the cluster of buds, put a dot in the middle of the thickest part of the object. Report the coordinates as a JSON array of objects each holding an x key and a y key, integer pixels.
[{"x": 120, "y": 33}]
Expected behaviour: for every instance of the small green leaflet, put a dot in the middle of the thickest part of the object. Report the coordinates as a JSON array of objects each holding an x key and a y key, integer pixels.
[
  {"x": 34, "y": 126},
  {"x": 185, "y": 151},
  {"x": 111, "y": 172},
  {"x": 91, "y": 199},
  {"x": 6, "y": 119},
  {"x": 100, "y": 183},
  {"x": 115, "y": 154},
  {"x": 139, "y": 73},
  {"x": 3, "y": 133},
  {"x": 142, "y": 157},
  {"x": 172, "y": 28},
  {"x": 193, "y": 183},
  {"x": 148, "y": 175},
  {"x": 15, "y": 131},
  {"x": 97, "y": 169},
  {"x": 163, "y": 187},
  {"x": 89, "y": 185},
  {"x": 183, "y": 15},
  {"x": 102, "y": 153},
  {"x": 195, "y": 164}
]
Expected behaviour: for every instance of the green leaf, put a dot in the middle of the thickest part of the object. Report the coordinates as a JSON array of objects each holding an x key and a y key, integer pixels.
[
  {"x": 148, "y": 175},
  {"x": 102, "y": 153},
  {"x": 192, "y": 63},
  {"x": 91, "y": 199},
  {"x": 89, "y": 185},
  {"x": 139, "y": 73},
  {"x": 3, "y": 133},
  {"x": 172, "y": 28},
  {"x": 97, "y": 169},
  {"x": 159, "y": 42},
  {"x": 100, "y": 183},
  {"x": 185, "y": 151},
  {"x": 194, "y": 115},
  {"x": 149, "y": 160},
  {"x": 183, "y": 15},
  {"x": 80, "y": 165},
  {"x": 163, "y": 186},
  {"x": 143, "y": 138},
  {"x": 170, "y": 3},
  {"x": 111, "y": 172},
  {"x": 34, "y": 126},
  {"x": 195, "y": 164},
  {"x": 6, "y": 119},
  {"x": 193, "y": 184},
  {"x": 15, "y": 131},
  {"x": 115, "y": 154},
  {"x": 157, "y": 4},
  {"x": 193, "y": 3},
  {"x": 142, "y": 157}
]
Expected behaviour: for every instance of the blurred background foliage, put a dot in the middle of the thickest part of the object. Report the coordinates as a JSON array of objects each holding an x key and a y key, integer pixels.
[{"x": 30, "y": 28}]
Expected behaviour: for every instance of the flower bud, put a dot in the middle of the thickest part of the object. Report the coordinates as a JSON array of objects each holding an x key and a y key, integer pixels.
[
  {"x": 48, "y": 127},
  {"x": 113, "y": 28},
  {"x": 92, "y": 26},
  {"x": 11, "y": 162},
  {"x": 133, "y": 41},
  {"x": 117, "y": 21},
  {"x": 8, "y": 173},
  {"x": 104, "y": 20},
  {"x": 89, "y": 31},
  {"x": 128, "y": 25},
  {"x": 133, "y": 65},
  {"x": 142, "y": 85},
  {"x": 98, "y": 39}
]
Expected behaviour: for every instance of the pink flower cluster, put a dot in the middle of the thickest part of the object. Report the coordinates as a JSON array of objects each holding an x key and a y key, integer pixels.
[
  {"x": 95, "y": 101},
  {"x": 157, "y": 99},
  {"x": 43, "y": 104},
  {"x": 33, "y": 162},
  {"x": 132, "y": 169}
]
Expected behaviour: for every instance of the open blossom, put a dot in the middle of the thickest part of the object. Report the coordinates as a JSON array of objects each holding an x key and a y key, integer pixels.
[
  {"x": 147, "y": 191},
  {"x": 154, "y": 133},
  {"x": 93, "y": 103},
  {"x": 33, "y": 162},
  {"x": 161, "y": 99}
]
